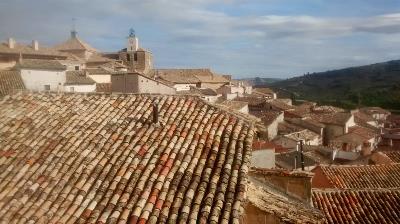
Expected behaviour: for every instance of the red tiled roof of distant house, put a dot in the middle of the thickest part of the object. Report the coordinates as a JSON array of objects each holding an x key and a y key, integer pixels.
[
  {"x": 267, "y": 117},
  {"x": 331, "y": 118},
  {"x": 259, "y": 145},
  {"x": 100, "y": 158},
  {"x": 103, "y": 87},
  {"x": 358, "y": 206},
  {"x": 363, "y": 176},
  {"x": 362, "y": 131},
  {"x": 10, "y": 81},
  {"x": 393, "y": 155}
]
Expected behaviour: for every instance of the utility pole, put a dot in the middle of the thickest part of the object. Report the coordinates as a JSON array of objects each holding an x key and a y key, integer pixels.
[{"x": 301, "y": 155}]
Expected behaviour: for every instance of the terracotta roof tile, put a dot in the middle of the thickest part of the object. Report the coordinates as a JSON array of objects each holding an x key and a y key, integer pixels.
[
  {"x": 10, "y": 81},
  {"x": 363, "y": 176},
  {"x": 98, "y": 158},
  {"x": 74, "y": 43},
  {"x": 358, "y": 206},
  {"x": 393, "y": 155},
  {"x": 188, "y": 75}
]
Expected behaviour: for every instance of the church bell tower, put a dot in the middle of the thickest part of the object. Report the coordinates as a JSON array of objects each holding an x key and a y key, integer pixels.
[{"x": 133, "y": 41}]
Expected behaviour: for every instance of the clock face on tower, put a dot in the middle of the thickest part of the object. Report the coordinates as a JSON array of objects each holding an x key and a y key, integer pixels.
[{"x": 131, "y": 41}]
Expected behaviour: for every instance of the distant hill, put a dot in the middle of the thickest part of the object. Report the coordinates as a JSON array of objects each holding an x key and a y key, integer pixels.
[
  {"x": 370, "y": 85},
  {"x": 257, "y": 81}
]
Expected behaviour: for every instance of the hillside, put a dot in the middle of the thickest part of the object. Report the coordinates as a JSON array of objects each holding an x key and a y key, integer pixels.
[
  {"x": 370, "y": 85},
  {"x": 257, "y": 81}
]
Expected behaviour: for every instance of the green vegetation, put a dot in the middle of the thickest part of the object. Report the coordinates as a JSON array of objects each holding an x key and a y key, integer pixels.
[{"x": 370, "y": 85}]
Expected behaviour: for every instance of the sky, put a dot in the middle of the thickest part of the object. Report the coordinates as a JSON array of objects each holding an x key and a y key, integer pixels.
[{"x": 245, "y": 38}]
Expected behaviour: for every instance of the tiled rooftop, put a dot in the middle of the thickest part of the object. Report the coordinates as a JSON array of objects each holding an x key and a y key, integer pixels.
[
  {"x": 363, "y": 176},
  {"x": 358, "y": 206},
  {"x": 40, "y": 64},
  {"x": 103, "y": 87},
  {"x": 99, "y": 158},
  {"x": 78, "y": 78},
  {"x": 10, "y": 81},
  {"x": 393, "y": 155}
]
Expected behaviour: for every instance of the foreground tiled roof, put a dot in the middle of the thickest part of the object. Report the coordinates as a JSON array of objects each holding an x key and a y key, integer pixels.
[
  {"x": 99, "y": 158},
  {"x": 363, "y": 176},
  {"x": 287, "y": 210},
  {"x": 78, "y": 78},
  {"x": 358, "y": 206},
  {"x": 10, "y": 81}
]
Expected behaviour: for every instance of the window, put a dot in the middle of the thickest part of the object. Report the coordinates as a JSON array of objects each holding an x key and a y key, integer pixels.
[
  {"x": 135, "y": 56},
  {"x": 71, "y": 89},
  {"x": 128, "y": 57},
  {"x": 77, "y": 68},
  {"x": 47, "y": 87}
]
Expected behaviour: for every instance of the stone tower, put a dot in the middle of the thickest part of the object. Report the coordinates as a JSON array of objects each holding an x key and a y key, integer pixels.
[
  {"x": 136, "y": 58},
  {"x": 133, "y": 41}
]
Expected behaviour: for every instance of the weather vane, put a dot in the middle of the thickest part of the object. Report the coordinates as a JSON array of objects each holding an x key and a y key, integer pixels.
[{"x": 131, "y": 32}]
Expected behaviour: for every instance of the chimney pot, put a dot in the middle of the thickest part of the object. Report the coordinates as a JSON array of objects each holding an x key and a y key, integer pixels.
[
  {"x": 35, "y": 45},
  {"x": 11, "y": 43},
  {"x": 155, "y": 112}
]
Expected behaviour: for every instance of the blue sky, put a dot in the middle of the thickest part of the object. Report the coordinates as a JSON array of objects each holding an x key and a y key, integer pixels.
[{"x": 246, "y": 38}]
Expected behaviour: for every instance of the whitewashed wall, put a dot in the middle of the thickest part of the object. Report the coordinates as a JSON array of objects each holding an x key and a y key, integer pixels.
[
  {"x": 183, "y": 87},
  {"x": 36, "y": 79},
  {"x": 80, "y": 88},
  {"x": 101, "y": 78}
]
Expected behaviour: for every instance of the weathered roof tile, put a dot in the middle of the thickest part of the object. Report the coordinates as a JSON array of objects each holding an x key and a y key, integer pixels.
[{"x": 99, "y": 158}]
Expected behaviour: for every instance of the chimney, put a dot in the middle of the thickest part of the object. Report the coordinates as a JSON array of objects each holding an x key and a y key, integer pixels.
[
  {"x": 11, "y": 43},
  {"x": 155, "y": 112},
  {"x": 35, "y": 45}
]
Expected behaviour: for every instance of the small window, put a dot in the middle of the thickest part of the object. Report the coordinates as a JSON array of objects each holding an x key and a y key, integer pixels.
[
  {"x": 71, "y": 89},
  {"x": 135, "y": 56},
  {"x": 128, "y": 57},
  {"x": 47, "y": 87},
  {"x": 77, "y": 68}
]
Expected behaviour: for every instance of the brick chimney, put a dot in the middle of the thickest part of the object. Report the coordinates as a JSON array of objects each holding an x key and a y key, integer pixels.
[
  {"x": 11, "y": 43},
  {"x": 35, "y": 45}
]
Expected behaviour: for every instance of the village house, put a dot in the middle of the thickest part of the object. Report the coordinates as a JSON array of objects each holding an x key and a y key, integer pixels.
[
  {"x": 11, "y": 52},
  {"x": 336, "y": 124},
  {"x": 135, "y": 82},
  {"x": 239, "y": 106},
  {"x": 358, "y": 139},
  {"x": 77, "y": 81},
  {"x": 42, "y": 75},
  {"x": 271, "y": 120},
  {"x": 206, "y": 94},
  {"x": 183, "y": 79},
  {"x": 266, "y": 93},
  {"x": 77, "y": 47},
  {"x": 376, "y": 112},
  {"x": 235, "y": 88}
]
